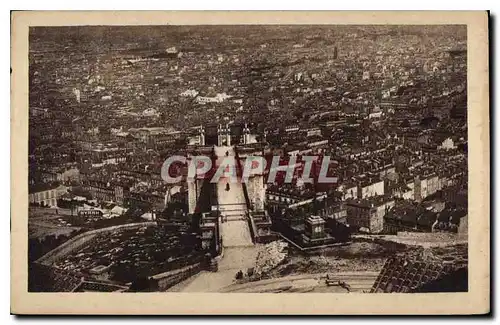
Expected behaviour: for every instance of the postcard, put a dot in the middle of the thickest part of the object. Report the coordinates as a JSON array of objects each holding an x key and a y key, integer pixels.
[{"x": 285, "y": 163}]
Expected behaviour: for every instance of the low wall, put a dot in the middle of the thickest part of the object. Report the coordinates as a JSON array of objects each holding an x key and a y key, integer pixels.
[
  {"x": 252, "y": 227},
  {"x": 254, "y": 231},
  {"x": 311, "y": 249},
  {"x": 244, "y": 185},
  {"x": 81, "y": 239},
  {"x": 164, "y": 281},
  {"x": 267, "y": 238}
]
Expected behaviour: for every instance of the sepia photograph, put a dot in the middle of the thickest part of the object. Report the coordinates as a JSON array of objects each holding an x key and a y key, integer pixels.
[{"x": 253, "y": 158}]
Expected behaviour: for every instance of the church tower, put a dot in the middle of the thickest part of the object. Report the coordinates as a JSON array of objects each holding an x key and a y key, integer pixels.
[
  {"x": 223, "y": 135},
  {"x": 202, "y": 136},
  {"x": 228, "y": 135},
  {"x": 219, "y": 135},
  {"x": 246, "y": 134}
]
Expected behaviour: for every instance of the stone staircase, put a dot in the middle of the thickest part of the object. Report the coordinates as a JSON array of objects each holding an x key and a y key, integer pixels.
[
  {"x": 235, "y": 231},
  {"x": 229, "y": 214},
  {"x": 234, "y": 218}
]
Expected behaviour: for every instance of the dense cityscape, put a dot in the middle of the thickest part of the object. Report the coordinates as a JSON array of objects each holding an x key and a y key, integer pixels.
[{"x": 108, "y": 106}]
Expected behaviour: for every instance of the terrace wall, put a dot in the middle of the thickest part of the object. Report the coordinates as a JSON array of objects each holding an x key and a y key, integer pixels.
[
  {"x": 254, "y": 231},
  {"x": 81, "y": 239},
  {"x": 164, "y": 281}
]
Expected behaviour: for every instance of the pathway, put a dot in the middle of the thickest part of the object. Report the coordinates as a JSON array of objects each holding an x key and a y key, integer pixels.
[{"x": 239, "y": 252}]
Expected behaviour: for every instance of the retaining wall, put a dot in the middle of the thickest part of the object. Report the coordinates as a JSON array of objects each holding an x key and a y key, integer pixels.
[
  {"x": 81, "y": 239},
  {"x": 164, "y": 281}
]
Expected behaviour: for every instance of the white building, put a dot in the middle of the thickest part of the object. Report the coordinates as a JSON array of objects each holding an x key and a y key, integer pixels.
[
  {"x": 190, "y": 93},
  {"x": 371, "y": 189},
  {"x": 46, "y": 195},
  {"x": 447, "y": 144},
  {"x": 219, "y": 98}
]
